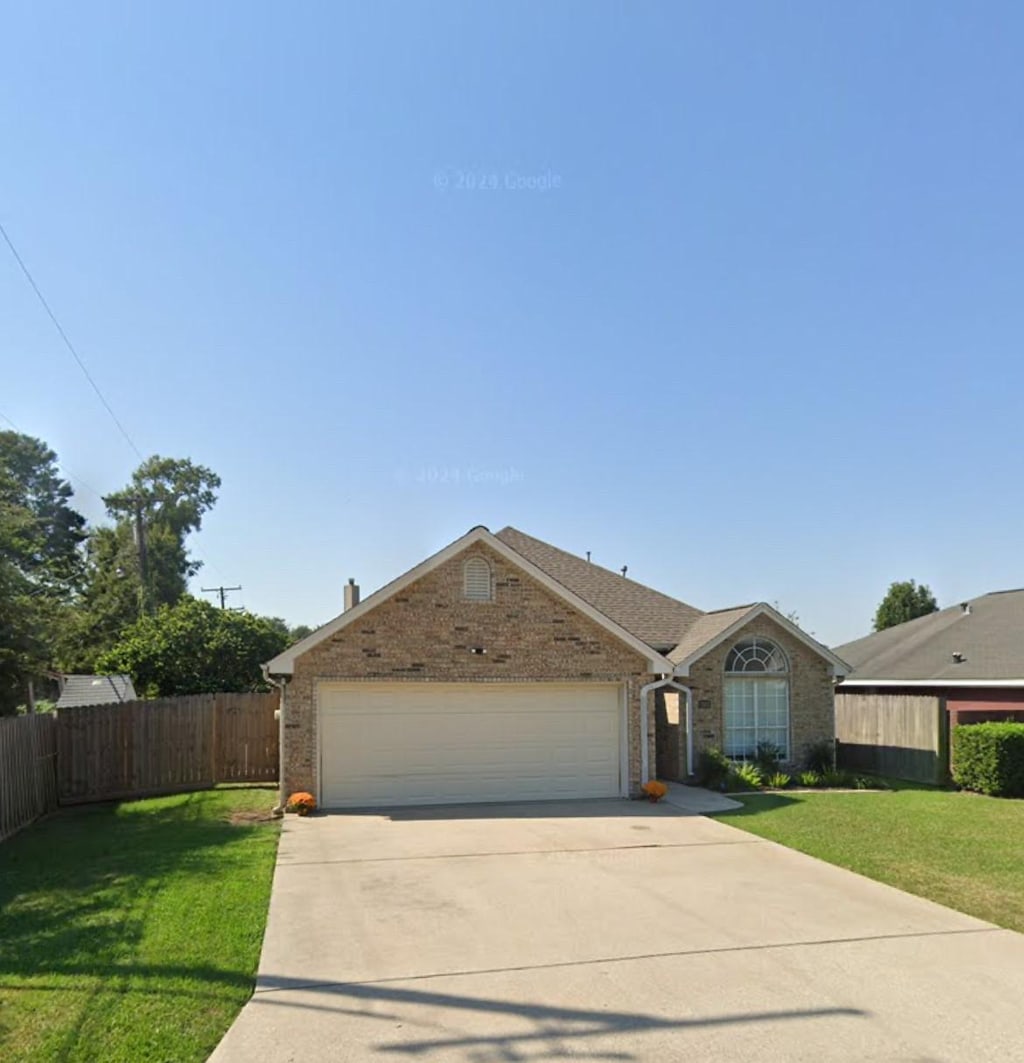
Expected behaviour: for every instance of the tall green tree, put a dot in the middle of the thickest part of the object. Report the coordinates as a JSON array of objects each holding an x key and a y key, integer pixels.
[
  {"x": 902, "y": 602},
  {"x": 40, "y": 561},
  {"x": 141, "y": 562},
  {"x": 193, "y": 647}
]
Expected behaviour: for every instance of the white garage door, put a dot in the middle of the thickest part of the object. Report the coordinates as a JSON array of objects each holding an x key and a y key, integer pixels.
[{"x": 439, "y": 743}]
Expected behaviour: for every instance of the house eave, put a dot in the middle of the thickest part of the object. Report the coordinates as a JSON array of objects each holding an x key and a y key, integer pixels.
[{"x": 1015, "y": 684}]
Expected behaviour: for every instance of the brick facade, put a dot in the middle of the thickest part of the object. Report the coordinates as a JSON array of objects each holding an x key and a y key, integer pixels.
[
  {"x": 811, "y": 704},
  {"x": 425, "y": 632}
]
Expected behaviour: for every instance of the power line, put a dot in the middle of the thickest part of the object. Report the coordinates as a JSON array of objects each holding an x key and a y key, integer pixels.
[
  {"x": 68, "y": 343},
  {"x": 67, "y": 472}
]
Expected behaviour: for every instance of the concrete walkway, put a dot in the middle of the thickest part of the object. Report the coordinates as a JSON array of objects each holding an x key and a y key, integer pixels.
[{"x": 608, "y": 930}]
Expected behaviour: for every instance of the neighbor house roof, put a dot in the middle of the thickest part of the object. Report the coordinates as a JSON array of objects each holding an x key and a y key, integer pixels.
[
  {"x": 95, "y": 690},
  {"x": 987, "y": 633},
  {"x": 652, "y": 616}
]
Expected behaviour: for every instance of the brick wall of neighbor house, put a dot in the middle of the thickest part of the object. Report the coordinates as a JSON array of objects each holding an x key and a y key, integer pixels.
[
  {"x": 424, "y": 633},
  {"x": 811, "y": 705}
]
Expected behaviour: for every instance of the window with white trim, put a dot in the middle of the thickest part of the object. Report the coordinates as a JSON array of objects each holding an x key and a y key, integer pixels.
[
  {"x": 476, "y": 580},
  {"x": 756, "y": 701}
]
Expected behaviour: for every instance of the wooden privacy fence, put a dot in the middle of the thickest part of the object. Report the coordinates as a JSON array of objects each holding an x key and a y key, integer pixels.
[
  {"x": 905, "y": 736},
  {"x": 140, "y": 748},
  {"x": 28, "y": 784}
]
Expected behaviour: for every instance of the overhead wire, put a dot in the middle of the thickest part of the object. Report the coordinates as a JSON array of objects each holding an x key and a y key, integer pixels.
[{"x": 67, "y": 342}]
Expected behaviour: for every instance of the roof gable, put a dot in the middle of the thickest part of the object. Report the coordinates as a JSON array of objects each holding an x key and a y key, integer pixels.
[
  {"x": 712, "y": 629},
  {"x": 284, "y": 663}
]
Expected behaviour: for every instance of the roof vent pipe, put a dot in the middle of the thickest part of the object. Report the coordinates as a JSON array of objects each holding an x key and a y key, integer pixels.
[
  {"x": 625, "y": 569},
  {"x": 965, "y": 608},
  {"x": 958, "y": 658}
]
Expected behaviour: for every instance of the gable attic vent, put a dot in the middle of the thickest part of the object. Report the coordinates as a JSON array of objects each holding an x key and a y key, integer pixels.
[{"x": 476, "y": 580}]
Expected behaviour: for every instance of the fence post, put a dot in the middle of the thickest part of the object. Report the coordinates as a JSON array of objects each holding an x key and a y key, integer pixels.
[{"x": 214, "y": 751}]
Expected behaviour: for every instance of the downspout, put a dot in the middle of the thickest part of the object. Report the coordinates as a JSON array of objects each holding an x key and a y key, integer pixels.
[
  {"x": 645, "y": 730},
  {"x": 282, "y": 797}
]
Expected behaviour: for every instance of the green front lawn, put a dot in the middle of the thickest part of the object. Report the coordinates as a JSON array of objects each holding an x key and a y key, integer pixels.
[
  {"x": 132, "y": 932},
  {"x": 959, "y": 849}
]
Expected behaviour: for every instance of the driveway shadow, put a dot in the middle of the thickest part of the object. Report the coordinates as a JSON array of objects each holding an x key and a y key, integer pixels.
[{"x": 550, "y": 1033}]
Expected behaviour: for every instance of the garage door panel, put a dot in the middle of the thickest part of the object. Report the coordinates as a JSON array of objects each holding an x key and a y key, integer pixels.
[{"x": 393, "y": 744}]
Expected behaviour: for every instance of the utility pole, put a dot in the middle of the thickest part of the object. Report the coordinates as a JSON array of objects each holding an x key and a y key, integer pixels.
[
  {"x": 221, "y": 591},
  {"x": 140, "y": 543}
]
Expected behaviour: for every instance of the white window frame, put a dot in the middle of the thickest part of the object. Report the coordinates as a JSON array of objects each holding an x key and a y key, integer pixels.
[
  {"x": 762, "y": 666},
  {"x": 473, "y": 580}
]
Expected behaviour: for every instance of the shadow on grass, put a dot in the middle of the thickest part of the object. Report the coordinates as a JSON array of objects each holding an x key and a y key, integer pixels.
[{"x": 76, "y": 890}]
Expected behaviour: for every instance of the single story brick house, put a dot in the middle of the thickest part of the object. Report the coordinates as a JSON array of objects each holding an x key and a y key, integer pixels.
[{"x": 503, "y": 668}]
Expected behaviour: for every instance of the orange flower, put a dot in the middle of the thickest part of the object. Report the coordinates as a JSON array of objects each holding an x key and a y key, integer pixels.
[
  {"x": 654, "y": 789},
  {"x": 302, "y": 803}
]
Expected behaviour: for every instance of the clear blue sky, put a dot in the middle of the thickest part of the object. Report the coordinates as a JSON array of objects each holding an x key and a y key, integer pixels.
[{"x": 759, "y": 340}]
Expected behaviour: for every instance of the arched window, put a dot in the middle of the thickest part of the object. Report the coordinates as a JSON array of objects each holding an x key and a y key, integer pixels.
[
  {"x": 756, "y": 699},
  {"x": 476, "y": 580}
]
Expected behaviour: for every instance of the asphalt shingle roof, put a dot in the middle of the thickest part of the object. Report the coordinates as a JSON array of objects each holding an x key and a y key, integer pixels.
[
  {"x": 990, "y": 638},
  {"x": 705, "y": 628},
  {"x": 95, "y": 690},
  {"x": 651, "y": 616}
]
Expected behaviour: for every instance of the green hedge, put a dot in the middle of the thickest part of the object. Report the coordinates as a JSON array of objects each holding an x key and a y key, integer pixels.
[{"x": 989, "y": 758}]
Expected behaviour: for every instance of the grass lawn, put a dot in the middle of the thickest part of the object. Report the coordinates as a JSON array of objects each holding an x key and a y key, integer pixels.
[
  {"x": 960, "y": 849},
  {"x": 132, "y": 932}
]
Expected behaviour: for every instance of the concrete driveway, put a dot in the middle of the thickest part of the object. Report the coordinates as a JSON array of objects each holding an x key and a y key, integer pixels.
[{"x": 608, "y": 931}]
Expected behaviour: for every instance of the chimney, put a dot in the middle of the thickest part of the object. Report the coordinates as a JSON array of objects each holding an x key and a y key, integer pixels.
[{"x": 351, "y": 595}]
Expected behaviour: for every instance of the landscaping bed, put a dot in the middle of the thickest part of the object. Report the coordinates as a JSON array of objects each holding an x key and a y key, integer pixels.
[
  {"x": 132, "y": 932},
  {"x": 960, "y": 849}
]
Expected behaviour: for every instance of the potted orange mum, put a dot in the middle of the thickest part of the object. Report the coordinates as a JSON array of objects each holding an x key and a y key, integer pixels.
[{"x": 301, "y": 803}]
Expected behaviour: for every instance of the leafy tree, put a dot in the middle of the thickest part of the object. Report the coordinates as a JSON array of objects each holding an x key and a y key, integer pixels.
[
  {"x": 193, "y": 647},
  {"x": 904, "y": 601},
  {"x": 40, "y": 561},
  {"x": 292, "y": 634},
  {"x": 167, "y": 499},
  {"x": 40, "y": 533}
]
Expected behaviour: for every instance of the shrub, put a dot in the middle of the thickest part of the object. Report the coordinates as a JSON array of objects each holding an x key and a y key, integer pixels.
[
  {"x": 821, "y": 756},
  {"x": 810, "y": 778},
  {"x": 747, "y": 776},
  {"x": 779, "y": 781},
  {"x": 838, "y": 778},
  {"x": 302, "y": 803},
  {"x": 713, "y": 769},
  {"x": 768, "y": 757},
  {"x": 989, "y": 758},
  {"x": 655, "y": 790}
]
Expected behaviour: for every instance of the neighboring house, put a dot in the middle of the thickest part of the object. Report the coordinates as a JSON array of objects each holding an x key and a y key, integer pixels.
[
  {"x": 503, "y": 668},
  {"x": 94, "y": 690},
  {"x": 909, "y": 684}
]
